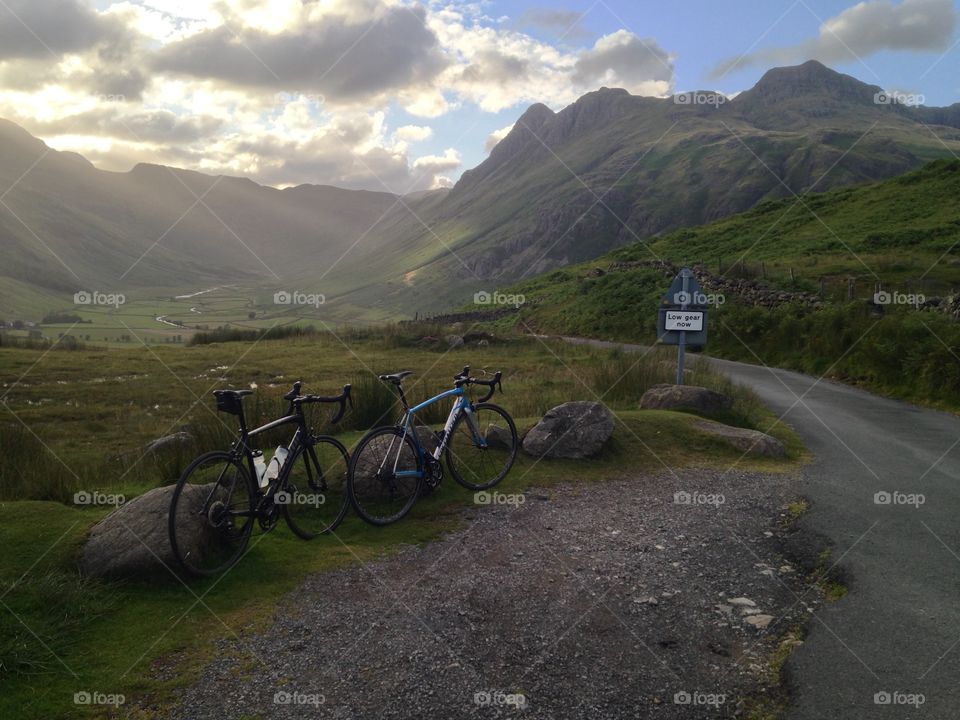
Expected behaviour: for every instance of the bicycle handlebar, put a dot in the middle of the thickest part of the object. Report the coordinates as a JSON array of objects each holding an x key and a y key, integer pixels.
[
  {"x": 343, "y": 398},
  {"x": 494, "y": 384}
]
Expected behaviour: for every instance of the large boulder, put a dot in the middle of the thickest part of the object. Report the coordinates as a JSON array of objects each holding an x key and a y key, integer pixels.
[
  {"x": 497, "y": 437},
  {"x": 177, "y": 439},
  {"x": 573, "y": 430},
  {"x": 133, "y": 539},
  {"x": 751, "y": 442},
  {"x": 685, "y": 397},
  {"x": 428, "y": 438}
]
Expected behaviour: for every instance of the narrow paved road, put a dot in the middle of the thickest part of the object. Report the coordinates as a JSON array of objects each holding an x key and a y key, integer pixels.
[{"x": 891, "y": 648}]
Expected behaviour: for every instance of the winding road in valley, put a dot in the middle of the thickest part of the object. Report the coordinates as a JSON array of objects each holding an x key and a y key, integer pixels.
[{"x": 884, "y": 489}]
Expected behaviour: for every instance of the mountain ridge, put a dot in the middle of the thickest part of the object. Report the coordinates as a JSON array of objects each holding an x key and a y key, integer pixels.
[{"x": 560, "y": 187}]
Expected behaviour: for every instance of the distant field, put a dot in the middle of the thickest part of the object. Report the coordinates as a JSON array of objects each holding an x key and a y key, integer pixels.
[{"x": 173, "y": 316}]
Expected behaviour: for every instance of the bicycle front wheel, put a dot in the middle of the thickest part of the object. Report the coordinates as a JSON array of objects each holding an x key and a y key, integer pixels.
[
  {"x": 314, "y": 499},
  {"x": 481, "y": 456},
  {"x": 386, "y": 473},
  {"x": 211, "y": 514}
]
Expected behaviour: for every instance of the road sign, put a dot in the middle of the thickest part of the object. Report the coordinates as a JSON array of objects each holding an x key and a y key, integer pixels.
[
  {"x": 678, "y": 295},
  {"x": 689, "y": 320},
  {"x": 682, "y": 319}
]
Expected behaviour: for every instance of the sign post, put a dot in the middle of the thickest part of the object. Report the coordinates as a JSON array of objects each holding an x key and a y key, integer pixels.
[
  {"x": 682, "y": 347},
  {"x": 682, "y": 319}
]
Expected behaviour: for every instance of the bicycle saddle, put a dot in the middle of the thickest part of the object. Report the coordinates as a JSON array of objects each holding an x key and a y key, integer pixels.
[
  {"x": 396, "y": 378},
  {"x": 233, "y": 393}
]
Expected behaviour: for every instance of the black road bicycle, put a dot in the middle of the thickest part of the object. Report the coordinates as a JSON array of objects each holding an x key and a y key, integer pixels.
[
  {"x": 390, "y": 467},
  {"x": 222, "y": 493}
]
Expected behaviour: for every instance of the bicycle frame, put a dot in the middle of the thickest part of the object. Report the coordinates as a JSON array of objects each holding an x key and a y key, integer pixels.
[
  {"x": 242, "y": 446},
  {"x": 462, "y": 405}
]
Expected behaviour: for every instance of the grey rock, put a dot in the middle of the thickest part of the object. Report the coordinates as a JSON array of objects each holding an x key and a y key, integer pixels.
[
  {"x": 498, "y": 437},
  {"x": 177, "y": 439},
  {"x": 428, "y": 438},
  {"x": 455, "y": 341},
  {"x": 133, "y": 539},
  {"x": 684, "y": 397},
  {"x": 759, "y": 621},
  {"x": 573, "y": 430},
  {"x": 752, "y": 442}
]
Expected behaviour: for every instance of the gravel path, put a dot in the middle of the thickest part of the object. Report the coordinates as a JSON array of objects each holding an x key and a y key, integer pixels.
[{"x": 600, "y": 600}]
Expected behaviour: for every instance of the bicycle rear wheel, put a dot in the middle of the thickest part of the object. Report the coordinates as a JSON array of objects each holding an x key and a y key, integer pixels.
[
  {"x": 211, "y": 514},
  {"x": 481, "y": 465},
  {"x": 378, "y": 492},
  {"x": 314, "y": 499}
]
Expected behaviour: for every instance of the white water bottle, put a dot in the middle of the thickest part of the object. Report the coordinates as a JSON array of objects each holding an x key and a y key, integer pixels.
[
  {"x": 260, "y": 466},
  {"x": 276, "y": 464}
]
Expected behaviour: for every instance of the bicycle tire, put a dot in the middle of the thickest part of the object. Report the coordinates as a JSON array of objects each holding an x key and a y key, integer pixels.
[
  {"x": 216, "y": 543},
  {"x": 470, "y": 464},
  {"x": 320, "y": 486},
  {"x": 377, "y": 495}
]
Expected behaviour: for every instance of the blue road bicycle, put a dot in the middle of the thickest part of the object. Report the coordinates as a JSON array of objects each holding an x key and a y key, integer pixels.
[{"x": 391, "y": 467}]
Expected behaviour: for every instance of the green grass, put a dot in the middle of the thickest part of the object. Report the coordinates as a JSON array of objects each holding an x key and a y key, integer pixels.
[
  {"x": 60, "y": 635},
  {"x": 907, "y": 230},
  {"x": 80, "y": 420}
]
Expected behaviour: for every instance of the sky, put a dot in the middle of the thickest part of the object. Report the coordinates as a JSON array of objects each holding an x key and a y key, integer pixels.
[{"x": 404, "y": 95}]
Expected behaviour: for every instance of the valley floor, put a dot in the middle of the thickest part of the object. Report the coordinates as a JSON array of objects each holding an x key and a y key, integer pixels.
[{"x": 604, "y": 600}]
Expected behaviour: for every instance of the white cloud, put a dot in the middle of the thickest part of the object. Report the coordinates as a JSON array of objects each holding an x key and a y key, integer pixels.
[
  {"x": 413, "y": 133},
  {"x": 864, "y": 30},
  {"x": 450, "y": 160},
  {"x": 287, "y": 91},
  {"x": 622, "y": 59},
  {"x": 496, "y": 136}
]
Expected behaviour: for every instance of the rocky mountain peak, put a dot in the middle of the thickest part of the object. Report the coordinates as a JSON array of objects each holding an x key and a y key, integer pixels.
[{"x": 811, "y": 79}]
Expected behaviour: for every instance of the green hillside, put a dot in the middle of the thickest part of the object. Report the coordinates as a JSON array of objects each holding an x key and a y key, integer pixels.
[
  {"x": 613, "y": 168},
  {"x": 900, "y": 235}
]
